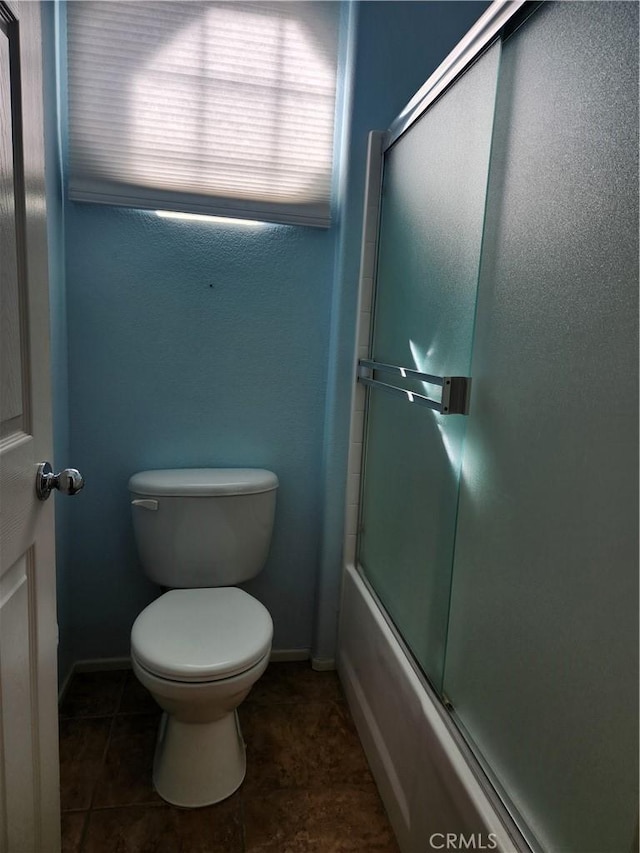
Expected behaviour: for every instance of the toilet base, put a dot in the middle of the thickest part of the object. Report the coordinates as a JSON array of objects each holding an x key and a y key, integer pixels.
[{"x": 198, "y": 764}]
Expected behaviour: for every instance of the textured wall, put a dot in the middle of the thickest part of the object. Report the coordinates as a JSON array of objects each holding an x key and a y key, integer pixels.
[{"x": 192, "y": 344}]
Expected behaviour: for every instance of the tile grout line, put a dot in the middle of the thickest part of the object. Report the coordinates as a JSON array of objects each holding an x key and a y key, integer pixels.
[
  {"x": 121, "y": 696},
  {"x": 141, "y": 805},
  {"x": 85, "y": 828}
]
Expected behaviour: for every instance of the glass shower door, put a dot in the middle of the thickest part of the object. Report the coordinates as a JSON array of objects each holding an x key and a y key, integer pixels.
[
  {"x": 432, "y": 212},
  {"x": 542, "y": 667}
]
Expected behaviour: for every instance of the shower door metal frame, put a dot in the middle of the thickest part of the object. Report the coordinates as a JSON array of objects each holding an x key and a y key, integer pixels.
[{"x": 499, "y": 17}]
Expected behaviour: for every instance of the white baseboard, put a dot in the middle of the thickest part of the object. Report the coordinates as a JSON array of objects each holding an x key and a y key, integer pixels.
[
  {"x": 323, "y": 664},
  {"x": 97, "y": 665},
  {"x": 102, "y": 664},
  {"x": 106, "y": 664},
  {"x": 280, "y": 655},
  {"x": 65, "y": 684}
]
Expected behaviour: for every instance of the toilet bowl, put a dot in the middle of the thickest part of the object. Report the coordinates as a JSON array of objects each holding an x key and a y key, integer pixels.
[
  {"x": 199, "y": 652},
  {"x": 200, "y": 649}
]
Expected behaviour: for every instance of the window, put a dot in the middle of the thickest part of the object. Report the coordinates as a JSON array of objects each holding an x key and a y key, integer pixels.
[{"x": 224, "y": 108}]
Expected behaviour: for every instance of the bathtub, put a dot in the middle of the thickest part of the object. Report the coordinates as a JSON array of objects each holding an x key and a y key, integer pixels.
[{"x": 435, "y": 797}]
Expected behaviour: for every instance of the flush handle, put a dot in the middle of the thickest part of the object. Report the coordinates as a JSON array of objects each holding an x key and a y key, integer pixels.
[
  {"x": 69, "y": 481},
  {"x": 145, "y": 503}
]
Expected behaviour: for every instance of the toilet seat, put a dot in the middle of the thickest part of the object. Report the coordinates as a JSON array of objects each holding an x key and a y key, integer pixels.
[{"x": 200, "y": 635}]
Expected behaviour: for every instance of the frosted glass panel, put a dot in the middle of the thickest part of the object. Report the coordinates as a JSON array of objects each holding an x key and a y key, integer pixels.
[
  {"x": 541, "y": 660},
  {"x": 434, "y": 188}
]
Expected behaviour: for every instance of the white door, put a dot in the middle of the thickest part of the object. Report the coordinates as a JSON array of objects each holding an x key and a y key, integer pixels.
[{"x": 29, "y": 790}]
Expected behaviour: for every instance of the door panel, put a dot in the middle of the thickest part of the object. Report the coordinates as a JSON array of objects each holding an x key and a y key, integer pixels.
[
  {"x": 29, "y": 795},
  {"x": 11, "y": 337},
  {"x": 18, "y": 725}
]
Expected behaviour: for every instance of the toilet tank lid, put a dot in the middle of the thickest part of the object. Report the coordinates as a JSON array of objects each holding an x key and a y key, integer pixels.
[{"x": 203, "y": 482}]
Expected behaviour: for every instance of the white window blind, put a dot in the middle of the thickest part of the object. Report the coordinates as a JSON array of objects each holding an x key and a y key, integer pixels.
[{"x": 207, "y": 107}]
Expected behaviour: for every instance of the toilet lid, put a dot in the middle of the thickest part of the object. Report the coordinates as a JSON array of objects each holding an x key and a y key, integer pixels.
[{"x": 201, "y": 634}]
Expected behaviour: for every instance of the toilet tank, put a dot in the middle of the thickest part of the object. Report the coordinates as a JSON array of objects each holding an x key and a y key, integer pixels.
[{"x": 203, "y": 527}]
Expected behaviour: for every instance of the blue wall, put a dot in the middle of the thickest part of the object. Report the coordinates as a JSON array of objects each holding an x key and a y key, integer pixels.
[
  {"x": 196, "y": 344},
  {"x": 193, "y": 344}
]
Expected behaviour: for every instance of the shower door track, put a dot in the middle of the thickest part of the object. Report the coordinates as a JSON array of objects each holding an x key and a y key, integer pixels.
[{"x": 487, "y": 28}]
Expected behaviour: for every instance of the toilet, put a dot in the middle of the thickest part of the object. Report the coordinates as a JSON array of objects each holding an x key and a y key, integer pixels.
[{"x": 201, "y": 646}]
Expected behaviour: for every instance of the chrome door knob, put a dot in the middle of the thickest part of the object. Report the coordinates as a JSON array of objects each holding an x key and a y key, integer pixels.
[{"x": 69, "y": 481}]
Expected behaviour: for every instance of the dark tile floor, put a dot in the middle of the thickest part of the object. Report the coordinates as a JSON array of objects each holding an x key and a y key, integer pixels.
[{"x": 308, "y": 788}]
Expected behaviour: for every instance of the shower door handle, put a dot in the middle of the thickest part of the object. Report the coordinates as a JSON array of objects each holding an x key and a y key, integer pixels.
[{"x": 455, "y": 389}]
